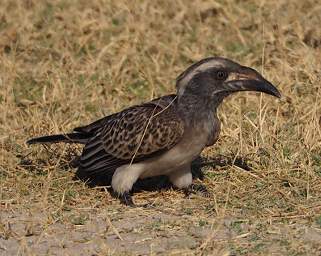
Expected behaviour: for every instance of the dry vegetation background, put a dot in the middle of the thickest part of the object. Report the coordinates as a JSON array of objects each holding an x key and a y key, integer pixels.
[{"x": 66, "y": 63}]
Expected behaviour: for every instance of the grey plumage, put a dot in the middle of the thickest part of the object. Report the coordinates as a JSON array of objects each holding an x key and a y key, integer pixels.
[{"x": 163, "y": 136}]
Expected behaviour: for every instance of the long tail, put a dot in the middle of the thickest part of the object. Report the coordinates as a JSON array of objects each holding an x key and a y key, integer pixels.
[{"x": 76, "y": 137}]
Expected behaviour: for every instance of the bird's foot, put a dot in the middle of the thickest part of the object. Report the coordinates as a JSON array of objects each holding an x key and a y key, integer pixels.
[
  {"x": 148, "y": 206},
  {"x": 197, "y": 189},
  {"x": 126, "y": 199}
]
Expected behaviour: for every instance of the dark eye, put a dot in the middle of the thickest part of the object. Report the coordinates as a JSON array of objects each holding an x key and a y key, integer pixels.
[{"x": 221, "y": 75}]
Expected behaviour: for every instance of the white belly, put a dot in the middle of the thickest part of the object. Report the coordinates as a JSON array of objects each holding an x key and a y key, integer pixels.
[{"x": 183, "y": 153}]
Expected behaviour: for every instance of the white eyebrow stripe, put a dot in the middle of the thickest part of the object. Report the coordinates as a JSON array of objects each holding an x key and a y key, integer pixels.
[{"x": 200, "y": 68}]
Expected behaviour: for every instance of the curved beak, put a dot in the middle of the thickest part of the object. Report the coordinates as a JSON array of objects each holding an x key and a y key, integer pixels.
[{"x": 248, "y": 79}]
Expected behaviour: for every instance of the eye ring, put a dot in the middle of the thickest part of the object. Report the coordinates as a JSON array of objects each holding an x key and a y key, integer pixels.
[{"x": 221, "y": 75}]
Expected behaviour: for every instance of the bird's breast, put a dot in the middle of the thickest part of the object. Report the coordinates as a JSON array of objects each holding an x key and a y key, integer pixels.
[
  {"x": 194, "y": 140},
  {"x": 190, "y": 146}
]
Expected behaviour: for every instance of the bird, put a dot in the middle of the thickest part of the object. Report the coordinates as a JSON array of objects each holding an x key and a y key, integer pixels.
[{"x": 162, "y": 136}]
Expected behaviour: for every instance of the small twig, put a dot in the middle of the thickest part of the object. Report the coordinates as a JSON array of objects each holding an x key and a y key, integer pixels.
[{"x": 113, "y": 228}]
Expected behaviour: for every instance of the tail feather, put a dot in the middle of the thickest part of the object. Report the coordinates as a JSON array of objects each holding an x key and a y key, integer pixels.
[{"x": 81, "y": 138}]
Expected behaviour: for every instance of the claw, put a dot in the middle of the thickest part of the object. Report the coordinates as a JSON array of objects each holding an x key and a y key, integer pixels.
[
  {"x": 197, "y": 189},
  {"x": 125, "y": 198}
]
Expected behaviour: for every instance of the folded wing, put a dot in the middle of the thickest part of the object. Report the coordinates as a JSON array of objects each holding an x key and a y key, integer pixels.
[{"x": 132, "y": 135}]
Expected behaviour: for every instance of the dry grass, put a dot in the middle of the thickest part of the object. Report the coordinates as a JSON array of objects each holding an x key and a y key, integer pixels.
[{"x": 66, "y": 63}]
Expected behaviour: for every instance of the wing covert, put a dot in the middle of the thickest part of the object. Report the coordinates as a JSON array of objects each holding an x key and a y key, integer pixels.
[{"x": 141, "y": 131}]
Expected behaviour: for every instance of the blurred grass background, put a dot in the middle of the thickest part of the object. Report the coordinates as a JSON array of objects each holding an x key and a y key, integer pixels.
[{"x": 67, "y": 63}]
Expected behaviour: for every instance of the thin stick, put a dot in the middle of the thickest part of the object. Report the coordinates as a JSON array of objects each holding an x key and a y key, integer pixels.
[
  {"x": 113, "y": 228},
  {"x": 149, "y": 120}
]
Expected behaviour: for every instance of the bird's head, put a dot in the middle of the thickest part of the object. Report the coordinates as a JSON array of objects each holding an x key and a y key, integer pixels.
[{"x": 216, "y": 78}]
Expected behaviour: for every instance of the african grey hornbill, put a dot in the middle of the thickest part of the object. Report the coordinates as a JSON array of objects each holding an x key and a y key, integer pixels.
[{"x": 163, "y": 136}]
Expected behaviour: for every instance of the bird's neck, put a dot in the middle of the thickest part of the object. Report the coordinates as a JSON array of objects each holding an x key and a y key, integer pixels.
[{"x": 197, "y": 110}]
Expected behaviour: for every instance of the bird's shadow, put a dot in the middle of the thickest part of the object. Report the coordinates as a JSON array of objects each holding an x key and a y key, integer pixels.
[{"x": 156, "y": 183}]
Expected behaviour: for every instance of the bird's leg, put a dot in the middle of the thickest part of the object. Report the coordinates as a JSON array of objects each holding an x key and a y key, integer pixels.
[
  {"x": 122, "y": 182},
  {"x": 182, "y": 178},
  {"x": 197, "y": 189}
]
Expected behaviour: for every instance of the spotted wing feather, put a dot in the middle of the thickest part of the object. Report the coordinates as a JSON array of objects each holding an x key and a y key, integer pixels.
[{"x": 134, "y": 134}]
